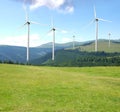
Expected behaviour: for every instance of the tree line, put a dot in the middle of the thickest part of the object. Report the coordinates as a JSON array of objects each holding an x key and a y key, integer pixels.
[
  {"x": 10, "y": 62},
  {"x": 79, "y": 59}
]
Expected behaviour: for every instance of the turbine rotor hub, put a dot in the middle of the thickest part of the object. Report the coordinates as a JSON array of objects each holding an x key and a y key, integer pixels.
[
  {"x": 96, "y": 19},
  {"x": 28, "y": 22},
  {"x": 53, "y": 29}
]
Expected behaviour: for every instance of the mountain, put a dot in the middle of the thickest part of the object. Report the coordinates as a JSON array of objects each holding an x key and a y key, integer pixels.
[
  {"x": 18, "y": 54},
  {"x": 79, "y": 58},
  {"x": 103, "y": 45},
  {"x": 84, "y": 51},
  {"x": 60, "y": 46},
  {"x": 12, "y": 53},
  {"x": 42, "y": 54}
]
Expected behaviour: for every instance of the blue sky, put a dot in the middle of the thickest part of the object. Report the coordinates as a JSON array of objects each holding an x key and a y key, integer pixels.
[{"x": 71, "y": 17}]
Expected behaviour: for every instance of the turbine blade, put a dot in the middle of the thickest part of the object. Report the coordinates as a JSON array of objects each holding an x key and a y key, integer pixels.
[
  {"x": 48, "y": 33},
  {"x": 33, "y": 22},
  {"x": 26, "y": 13},
  {"x": 58, "y": 29},
  {"x": 95, "y": 12},
  {"x": 104, "y": 20},
  {"x": 52, "y": 22},
  {"x": 91, "y": 22},
  {"x": 61, "y": 30},
  {"x": 22, "y": 26}
]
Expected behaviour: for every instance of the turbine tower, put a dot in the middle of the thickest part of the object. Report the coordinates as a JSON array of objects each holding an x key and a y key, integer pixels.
[
  {"x": 53, "y": 48},
  {"x": 97, "y": 20}
]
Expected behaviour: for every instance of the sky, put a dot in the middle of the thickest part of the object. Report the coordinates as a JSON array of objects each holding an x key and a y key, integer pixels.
[{"x": 69, "y": 17}]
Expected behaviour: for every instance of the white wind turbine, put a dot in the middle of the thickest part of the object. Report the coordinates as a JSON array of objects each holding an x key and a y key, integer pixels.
[
  {"x": 28, "y": 33},
  {"x": 109, "y": 39},
  {"x": 53, "y": 29},
  {"x": 96, "y": 20},
  {"x": 73, "y": 41}
]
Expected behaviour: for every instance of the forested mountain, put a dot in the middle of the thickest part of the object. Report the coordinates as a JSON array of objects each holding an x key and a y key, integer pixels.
[
  {"x": 82, "y": 55},
  {"x": 79, "y": 58},
  {"x": 18, "y": 54}
]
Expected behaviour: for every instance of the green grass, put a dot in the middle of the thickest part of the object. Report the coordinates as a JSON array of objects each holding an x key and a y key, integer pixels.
[{"x": 54, "y": 89}]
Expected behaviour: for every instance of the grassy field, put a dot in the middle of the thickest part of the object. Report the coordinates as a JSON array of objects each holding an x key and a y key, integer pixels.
[{"x": 53, "y": 89}]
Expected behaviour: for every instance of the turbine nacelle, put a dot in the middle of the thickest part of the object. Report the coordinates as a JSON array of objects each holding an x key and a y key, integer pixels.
[
  {"x": 28, "y": 22},
  {"x": 96, "y": 19},
  {"x": 53, "y": 29}
]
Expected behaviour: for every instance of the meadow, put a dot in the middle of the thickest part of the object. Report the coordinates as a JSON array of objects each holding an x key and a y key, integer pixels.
[{"x": 59, "y": 89}]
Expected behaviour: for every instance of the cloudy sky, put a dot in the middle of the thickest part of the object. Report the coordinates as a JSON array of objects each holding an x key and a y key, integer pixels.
[{"x": 70, "y": 17}]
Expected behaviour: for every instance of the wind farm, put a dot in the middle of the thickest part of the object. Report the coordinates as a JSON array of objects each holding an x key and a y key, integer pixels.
[
  {"x": 72, "y": 70},
  {"x": 31, "y": 7}
]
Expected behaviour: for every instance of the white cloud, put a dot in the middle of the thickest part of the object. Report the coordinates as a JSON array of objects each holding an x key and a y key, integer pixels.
[
  {"x": 35, "y": 40},
  {"x": 70, "y": 9},
  {"x": 49, "y": 3},
  {"x": 64, "y": 6}
]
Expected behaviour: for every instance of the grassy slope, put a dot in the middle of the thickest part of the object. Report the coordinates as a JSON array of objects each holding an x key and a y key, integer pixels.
[
  {"x": 53, "y": 89},
  {"x": 102, "y": 46}
]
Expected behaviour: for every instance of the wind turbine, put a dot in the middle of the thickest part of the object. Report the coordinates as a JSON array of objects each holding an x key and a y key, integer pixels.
[
  {"x": 53, "y": 29},
  {"x": 97, "y": 20},
  {"x": 73, "y": 42},
  {"x": 28, "y": 23},
  {"x": 109, "y": 39}
]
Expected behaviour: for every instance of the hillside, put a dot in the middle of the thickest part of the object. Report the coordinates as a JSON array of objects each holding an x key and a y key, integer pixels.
[
  {"x": 18, "y": 54},
  {"x": 78, "y": 58},
  {"x": 61, "y": 45},
  {"x": 42, "y": 54},
  {"x": 84, "y": 55},
  {"x": 103, "y": 45}
]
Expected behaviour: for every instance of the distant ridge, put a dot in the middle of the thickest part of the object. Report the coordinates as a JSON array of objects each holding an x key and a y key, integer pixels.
[
  {"x": 43, "y": 52},
  {"x": 59, "y": 45},
  {"x": 18, "y": 54},
  {"x": 67, "y": 56}
]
